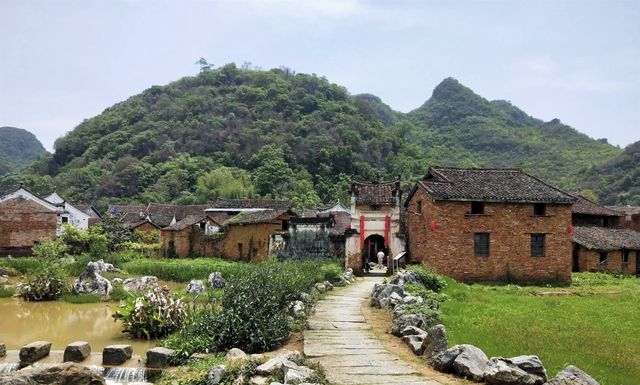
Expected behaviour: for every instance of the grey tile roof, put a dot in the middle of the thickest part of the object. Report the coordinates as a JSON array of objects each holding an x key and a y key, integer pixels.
[
  {"x": 586, "y": 207},
  {"x": 222, "y": 203},
  {"x": 606, "y": 238},
  {"x": 375, "y": 193}
]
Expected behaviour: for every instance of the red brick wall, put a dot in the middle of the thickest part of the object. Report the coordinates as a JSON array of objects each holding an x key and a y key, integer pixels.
[
  {"x": 633, "y": 222},
  {"x": 589, "y": 260},
  {"x": 23, "y": 222},
  {"x": 449, "y": 248}
]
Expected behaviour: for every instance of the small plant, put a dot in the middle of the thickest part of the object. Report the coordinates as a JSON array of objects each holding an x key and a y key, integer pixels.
[
  {"x": 46, "y": 286},
  {"x": 431, "y": 315},
  {"x": 156, "y": 314},
  {"x": 430, "y": 279},
  {"x": 331, "y": 271},
  {"x": 6, "y": 292}
]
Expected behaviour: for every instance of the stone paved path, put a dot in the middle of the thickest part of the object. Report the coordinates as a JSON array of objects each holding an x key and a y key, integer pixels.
[{"x": 341, "y": 341}]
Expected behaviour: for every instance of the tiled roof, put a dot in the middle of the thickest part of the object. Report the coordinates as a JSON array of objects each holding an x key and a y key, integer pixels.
[
  {"x": 491, "y": 185},
  {"x": 187, "y": 221},
  {"x": 262, "y": 216},
  {"x": 162, "y": 214},
  {"x": 606, "y": 238},
  {"x": 586, "y": 207},
  {"x": 375, "y": 193},
  {"x": 132, "y": 215},
  {"x": 222, "y": 203},
  {"x": 626, "y": 210}
]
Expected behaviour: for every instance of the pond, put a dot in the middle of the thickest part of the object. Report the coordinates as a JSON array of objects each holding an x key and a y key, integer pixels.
[{"x": 62, "y": 323}]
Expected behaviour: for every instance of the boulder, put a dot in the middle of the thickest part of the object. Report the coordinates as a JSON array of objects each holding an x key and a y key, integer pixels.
[
  {"x": 116, "y": 354},
  {"x": 531, "y": 365},
  {"x": 404, "y": 277},
  {"x": 140, "y": 284},
  {"x": 195, "y": 286},
  {"x": 443, "y": 362},
  {"x": 341, "y": 282},
  {"x": 415, "y": 343},
  {"x": 76, "y": 351},
  {"x": 3, "y": 350},
  {"x": 216, "y": 281},
  {"x": 304, "y": 297},
  {"x": 409, "y": 299},
  {"x": 572, "y": 376},
  {"x": 235, "y": 354},
  {"x": 381, "y": 293},
  {"x": 62, "y": 374},
  {"x": 328, "y": 285},
  {"x": 435, "y": 342},
  {"x": 296, "y": 309},
  {"x": 471, "y": 363},
  {"x": 402, "y": 321},
  {"x": 500, "y": 371},
  {"x": 321, "y": 287},
  {"x": 295, "y": 374},
  {"x": 413, "y": 331},
  {"x": 258, "y": 380},
  {"x": 214, "y": 377},
  {"x": 34, "y": 351},
  {"x": 159, "y": 357},
  {"x": 101, "y": 266},
  {"x": 395, "y": 299},
  {"x": 117, "y": 281},
  {"x": 4, "y": 279},
  {"x": 277, "y": 362},
  {"x": 90, "y": 282}
]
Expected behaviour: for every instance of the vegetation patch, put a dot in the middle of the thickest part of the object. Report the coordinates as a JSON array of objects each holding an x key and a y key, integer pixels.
[
  {"x": 182, "y": 270},
  {"x": 86, "y": 298},
  {"x": 6, "y": 292}
]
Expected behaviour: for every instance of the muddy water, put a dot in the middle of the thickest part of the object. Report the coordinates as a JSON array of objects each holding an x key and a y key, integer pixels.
[{"x": 62, "y": 323}]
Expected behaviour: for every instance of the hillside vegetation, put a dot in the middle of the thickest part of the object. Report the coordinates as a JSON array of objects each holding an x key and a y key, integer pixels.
[
  {"x": 18, "y": 148},
  {"x": 241, "y": 132}
]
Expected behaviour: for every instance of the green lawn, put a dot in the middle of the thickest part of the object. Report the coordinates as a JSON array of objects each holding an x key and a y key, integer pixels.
[{"x": 595, "y": 327}]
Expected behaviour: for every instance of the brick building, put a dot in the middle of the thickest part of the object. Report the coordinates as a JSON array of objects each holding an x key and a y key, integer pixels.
[
  {"x": 630, "y": 216},
  {"x": 375, "y": 223},
  {"x": 490, "y": 224}
]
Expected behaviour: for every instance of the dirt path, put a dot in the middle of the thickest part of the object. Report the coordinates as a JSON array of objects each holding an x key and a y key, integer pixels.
[{"x": 342, "y": 341}]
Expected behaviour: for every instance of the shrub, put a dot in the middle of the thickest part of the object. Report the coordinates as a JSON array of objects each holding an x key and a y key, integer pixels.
[
  {"x": 154, "y": 315},
  {"x": 6, "y": 292},
  {"x": 331, "y": 271},
  {"x": 21, "y": 265},
  {"x": 193, "y": 373},
  {"x": 430, "y": 279},
  {"x": 181, "y": 270},
  {"x": 431, "y": 315},
  {"x": 47, "y": 285},
  {"x": 431, "y": 298},
  {"x": 119, "y": 293},
  {"x": 10, "y": 271}
]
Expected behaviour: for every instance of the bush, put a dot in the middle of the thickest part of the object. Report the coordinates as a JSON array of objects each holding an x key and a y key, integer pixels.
[
  {"x": 119, "y": 293},
  {"x": 331, "y": 271},
  {"x": 430, "y": 314},
  {"x": 156, "y": 314},
  {"x": 27, "y": 265},
  {"x": 430, "y": 279},
  {"x": 181, "y": 270},
  {"x": 47, "y": 285},
  {"x": 6, "y": 292},
  {"x": 431, "y": 298}
]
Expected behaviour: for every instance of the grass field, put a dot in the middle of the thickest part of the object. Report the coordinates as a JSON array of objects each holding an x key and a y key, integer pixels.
[{"x": 593, "y": 324}]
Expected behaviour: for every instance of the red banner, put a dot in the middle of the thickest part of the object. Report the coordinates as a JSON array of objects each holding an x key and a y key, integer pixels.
[
  {"x": 387, "y": 228},
  {"x": 361, "y": 231}
]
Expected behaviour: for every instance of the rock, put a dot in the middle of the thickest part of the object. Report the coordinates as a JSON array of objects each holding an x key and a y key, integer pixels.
[
  {"x": 408, "y": 298},
  {"x": 415, "y": 343},
  {"x": 117, "y": 281},
  {"x": 101, "y": 266},
  {"x": 404, "y": 277},
  {"x": 296, "y": 309},
  {"x": 304, "y": 297},
  {"x": 572, "y": 376},
  {"x": 3, "y": 350},
  {"x": 235, "y": 354},
  {"x": 320, "y": 287},
  {"x": 214, "y": 377},
  {"x": 404, "y": 320},
  {"x": 200, "y": 356},
  {"x": 412, "y": 331},
  {"x": 34, "y": 351},
  {"x": 471, "y": 363},
  {"x": 500, "y": 371},
  {"x": 381, "y": 293},
  {"x": 341, "y": 282},
  {"x": 116, "y": 354},
  {"x": 195, "y": 286},
  {"x": 61, "y": 374},
  {"x": 90, "y": 282},
  {"x": 328, "y": 285},
  {"x": 435, "y": 341},
  {"x": 76, "y": 351},
  {"x": 140, "y": 284},
  {"x": 443, "y": 362},
  {"x": 4, "y": 279},
  {"x": 277, "y": 362},
  {"x": 395, "y": 299},
  {"x": 531, "y": 365},
  {"x": 159, "y": 357},
  {"x": 295, "y": 374},
  {"x": 258, "y": 380},
  {"x": 216, "y": 281}
]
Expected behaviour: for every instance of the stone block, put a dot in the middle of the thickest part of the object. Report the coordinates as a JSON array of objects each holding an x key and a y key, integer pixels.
[
  {"x": 34, "y": 351},
  {"x": 116, "y": 354},
  {"x": 77, "y": 351},
  {"x": 159, "y": 357}
]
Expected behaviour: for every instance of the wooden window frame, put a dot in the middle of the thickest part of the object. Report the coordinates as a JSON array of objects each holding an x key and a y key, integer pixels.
[
  {"x": 537, "y": 250},
  {"x": 481, "y": 244}
]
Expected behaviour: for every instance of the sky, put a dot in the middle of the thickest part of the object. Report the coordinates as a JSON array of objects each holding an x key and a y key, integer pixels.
[{"x": 63, "y": 61}]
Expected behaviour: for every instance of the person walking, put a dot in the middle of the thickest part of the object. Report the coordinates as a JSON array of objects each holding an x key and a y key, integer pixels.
[{"x": 380, "y": 259}]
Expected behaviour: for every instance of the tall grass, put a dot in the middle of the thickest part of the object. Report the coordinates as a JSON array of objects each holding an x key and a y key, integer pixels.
[
  {"x": 182, "y": 270},
  {"x": 593, "y": 326},
  {"x": 24, "y": 265}
]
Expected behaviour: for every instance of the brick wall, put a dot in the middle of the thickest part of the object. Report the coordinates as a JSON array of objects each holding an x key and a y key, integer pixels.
[
  {"x": 631, "y": 221},
  {"x": 23, "y": 222},
  {"x": 589, "y": 260},
  {"x": 449, "y": 248}
]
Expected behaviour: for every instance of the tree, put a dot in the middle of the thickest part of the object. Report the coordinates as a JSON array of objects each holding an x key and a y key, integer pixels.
[
  {"x": 205, "y": 66},
  {"x": 272, "y": 176},
  {"x": 116, "y": 231},
  {"x": 303, "y": 195},
  {"x": 224, "y": 182}
]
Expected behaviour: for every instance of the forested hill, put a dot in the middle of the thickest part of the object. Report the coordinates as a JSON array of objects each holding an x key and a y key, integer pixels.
[
  {"x": 18, "y": 148},
  {"x": 240, "y": 132}
]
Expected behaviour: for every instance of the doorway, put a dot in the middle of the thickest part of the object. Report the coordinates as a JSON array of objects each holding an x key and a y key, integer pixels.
[{"x": 372, "y": 245}]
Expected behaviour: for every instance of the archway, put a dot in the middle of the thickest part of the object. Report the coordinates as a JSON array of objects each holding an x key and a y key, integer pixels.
[{"x": 372, "y": 245}]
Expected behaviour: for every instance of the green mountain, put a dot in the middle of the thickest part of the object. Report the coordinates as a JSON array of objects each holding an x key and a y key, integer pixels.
[
  {"x": 617, "y": 182},
  {"x": 238, "y": 132},
  {"x": 18, "y": 148}
]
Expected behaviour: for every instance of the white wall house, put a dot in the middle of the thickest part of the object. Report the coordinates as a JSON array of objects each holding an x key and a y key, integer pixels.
[{"x": 70, "y": 215}]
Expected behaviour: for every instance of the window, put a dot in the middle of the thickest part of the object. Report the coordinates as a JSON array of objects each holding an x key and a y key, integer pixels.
[
  {"x": 202, "y": 225},
  {"x": 537, "y": 245},
  {"x": 481, "y": 244},
  {"x": 477, "y": 207},
  {"x": 419, "y": 207},
  {"x": 625, "y": 257},
  {"x": 604, "y": 256},
  {"x": 240, "y": 250},
  {"x": 539, "y": 209},
  {"x": 65, "y": 219}
]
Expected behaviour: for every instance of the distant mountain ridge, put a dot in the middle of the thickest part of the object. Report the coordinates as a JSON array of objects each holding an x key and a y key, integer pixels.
[
  {"x": 18, "y": 148},
  {"x": 298, "y": 136}
]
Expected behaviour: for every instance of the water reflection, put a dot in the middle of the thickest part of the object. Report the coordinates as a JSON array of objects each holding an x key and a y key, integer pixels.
[{"x": 61, "y": 323}]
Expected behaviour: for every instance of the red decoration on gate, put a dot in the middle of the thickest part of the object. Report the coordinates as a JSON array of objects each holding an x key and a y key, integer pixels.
[
  {"x": 265, "y": 226},
  {"x": 570, "y": 228},
  {"x": 361, "y": 231},
  {"x": 433, "y": 226},
  {"x": 387, "y": 228}
]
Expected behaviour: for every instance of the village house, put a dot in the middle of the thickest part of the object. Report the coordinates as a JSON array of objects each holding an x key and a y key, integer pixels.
[
  {"x": 490, "y": 225},
  {"x": 599, "y": 242},
  {"x": 187, "y": 236},
  {"x": 72, "y": 215},
  {"x": 630, "y": 216},
  {"x": 375, "y": 223}
]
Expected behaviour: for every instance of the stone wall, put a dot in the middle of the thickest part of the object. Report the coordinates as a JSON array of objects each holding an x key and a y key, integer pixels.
[
  {"x": 449, "y": 247},
  {"x": 22, "y": 223}
]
